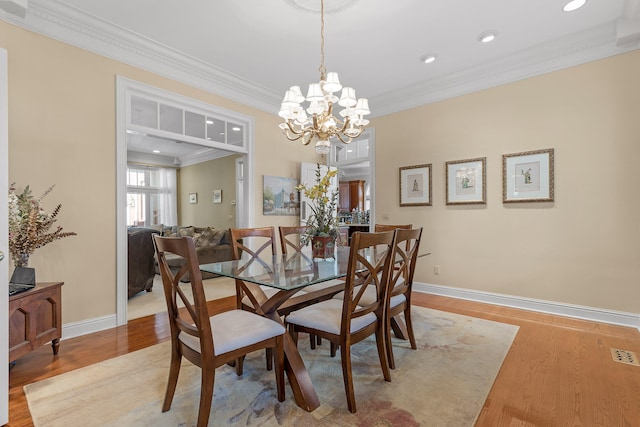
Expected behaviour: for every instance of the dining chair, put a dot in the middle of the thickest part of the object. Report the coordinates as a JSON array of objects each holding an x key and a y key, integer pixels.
[
  {"x": 347, "y": 322},
  {"x": 253, "y": 243},
  {"x": 407, "y": 243},
  {"x": 209, "y": 341},
  {"x": 390, "y": 227},
  {"x": 290, "y": 243}
]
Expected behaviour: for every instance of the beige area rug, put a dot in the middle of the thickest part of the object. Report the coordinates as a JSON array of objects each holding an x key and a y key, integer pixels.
[
  {"x": 147, "y": 303},
  {"x": 443, "y": 383}
]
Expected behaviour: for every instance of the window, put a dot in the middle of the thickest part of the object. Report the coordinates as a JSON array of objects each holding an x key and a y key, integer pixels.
[{"x": 151, "y": 196}]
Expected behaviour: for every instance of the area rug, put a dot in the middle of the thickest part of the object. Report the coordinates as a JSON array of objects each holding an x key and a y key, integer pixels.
[{"x": 443, "y": 383}]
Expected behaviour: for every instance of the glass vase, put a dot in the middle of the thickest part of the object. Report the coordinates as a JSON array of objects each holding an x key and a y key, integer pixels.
[{"x": 22, "y": 260}]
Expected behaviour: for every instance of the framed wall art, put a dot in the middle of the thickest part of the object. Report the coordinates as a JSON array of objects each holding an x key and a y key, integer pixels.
[
  {"x": 193, "y": 198},
  {"x": 415, "y": 185},
  {"x": 527, "y": 176},
  {"x": 217, "y": 196},
  {"x": 466, "y": 182},
  {"x": 279, "y": 196}
]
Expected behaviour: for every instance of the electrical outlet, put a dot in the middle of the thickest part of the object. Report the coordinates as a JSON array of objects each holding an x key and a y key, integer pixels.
[{"x": 436, "y": 270}]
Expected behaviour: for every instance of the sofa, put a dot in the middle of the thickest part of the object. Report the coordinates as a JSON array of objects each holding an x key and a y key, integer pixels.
[
  {"x": 212, "y": 245},
  {"x": 140, "y": 263}
]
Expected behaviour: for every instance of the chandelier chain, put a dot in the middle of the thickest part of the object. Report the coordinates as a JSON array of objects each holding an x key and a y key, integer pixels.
[{"x": 322, "y": 69}]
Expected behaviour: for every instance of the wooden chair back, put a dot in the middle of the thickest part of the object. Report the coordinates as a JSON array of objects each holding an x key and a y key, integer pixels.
[
  {"x": 194, "y": 320},
  {"x": 287, "y": 239},
  {"x": 405, "y": 255},
  {"x": 390, "y": 227},
  {"x": 252, "y": 242},
  {"x": 367, "y": 276}
]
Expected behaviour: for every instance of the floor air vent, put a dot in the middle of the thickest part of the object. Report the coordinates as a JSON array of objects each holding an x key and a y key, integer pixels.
[{"x": 624, "y": 356}]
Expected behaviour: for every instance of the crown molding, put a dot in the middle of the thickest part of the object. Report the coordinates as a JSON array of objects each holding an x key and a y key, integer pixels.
[
  {"x": 73, "y": 26},
  {"x": 574, "y": 50},
  {"x": 70, "y": 25}
]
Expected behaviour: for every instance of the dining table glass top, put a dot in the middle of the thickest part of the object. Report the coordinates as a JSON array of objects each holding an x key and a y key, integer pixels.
[{"x": 289, "y": 271}]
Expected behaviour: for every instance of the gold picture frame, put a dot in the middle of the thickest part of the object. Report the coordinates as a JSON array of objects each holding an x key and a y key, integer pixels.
[
  {"x": 528, "y": 176},
  {"x": 415, "y": 185},
  {"x": 466, "y": 181}
]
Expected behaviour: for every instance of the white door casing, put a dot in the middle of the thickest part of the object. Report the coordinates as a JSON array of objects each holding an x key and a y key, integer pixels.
[{"x": 4, "y": 244}]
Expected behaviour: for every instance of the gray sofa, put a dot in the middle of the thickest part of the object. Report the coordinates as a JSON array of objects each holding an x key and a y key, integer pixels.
[
  {"x": 140, "y": 262},
  {"x": 212, "y": 245}
]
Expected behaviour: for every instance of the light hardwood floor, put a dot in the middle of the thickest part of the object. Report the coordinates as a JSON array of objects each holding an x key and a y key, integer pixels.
[{"x": 559, "y": 371}]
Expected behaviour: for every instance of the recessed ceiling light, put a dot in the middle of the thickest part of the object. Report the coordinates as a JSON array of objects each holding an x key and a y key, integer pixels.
[
  {"x": 156, "y": 151},
  {"x": 209, "y": 121},
  {"x": 488, "y": 36},
  {"x": 236, "y": 128},
  {"x": 428, "y": 58},
  {"x": 574, "y": 5}
]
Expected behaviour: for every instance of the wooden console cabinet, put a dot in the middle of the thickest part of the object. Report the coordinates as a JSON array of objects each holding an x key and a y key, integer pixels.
[{"x": 35, "y": 318}]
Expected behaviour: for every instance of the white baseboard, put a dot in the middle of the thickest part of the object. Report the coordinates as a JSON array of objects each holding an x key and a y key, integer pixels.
[
  {"x": 549, "y": 307},
  {"x": 76, "y": 329}
]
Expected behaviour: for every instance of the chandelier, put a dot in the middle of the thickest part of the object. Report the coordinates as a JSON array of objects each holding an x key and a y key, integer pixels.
[{"x": 321, "y": 125}]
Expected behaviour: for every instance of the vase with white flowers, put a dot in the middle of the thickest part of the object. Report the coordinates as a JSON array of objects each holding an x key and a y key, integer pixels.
[
  {"x": 30, "y": 227},
  {"x": 322, "y": 224}
]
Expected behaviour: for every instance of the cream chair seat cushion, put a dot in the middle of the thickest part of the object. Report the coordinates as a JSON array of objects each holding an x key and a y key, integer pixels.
[
  {"x": 327, "y": 316},
  {"x": 235, "y": 329}
]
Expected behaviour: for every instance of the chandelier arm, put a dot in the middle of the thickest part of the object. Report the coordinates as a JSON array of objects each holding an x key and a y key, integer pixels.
[
  {"x": 308, "y": 138},
  {"x": 292, "y": 130},
  {"x": 339, "y": 136}
]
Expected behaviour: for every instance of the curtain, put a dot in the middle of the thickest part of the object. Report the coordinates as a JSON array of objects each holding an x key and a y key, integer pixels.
[{"x": 167, "y": 203}]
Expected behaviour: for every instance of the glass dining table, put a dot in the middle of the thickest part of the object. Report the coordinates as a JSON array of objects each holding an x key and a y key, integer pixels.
[{"x": 288, "y": 274}]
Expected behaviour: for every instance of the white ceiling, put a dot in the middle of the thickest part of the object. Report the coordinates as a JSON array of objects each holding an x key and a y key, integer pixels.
[{"x": 251, "y": 51}]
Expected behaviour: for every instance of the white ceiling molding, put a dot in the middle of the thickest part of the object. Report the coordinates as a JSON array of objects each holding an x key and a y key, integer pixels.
[
  {"x": 70, "y": 25},
  {"x": 577, "y": 49},
  {"x": 16, "y": 7}
]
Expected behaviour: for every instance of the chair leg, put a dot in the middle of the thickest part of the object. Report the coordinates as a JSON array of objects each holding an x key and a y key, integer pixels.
[
  {"x": 312, "y": 341},
  {"x": 407, "y": 321},
  {"x": 318, "y": 340},
  {"x": 387, "y": 333},
  {"x": 239, "y": 365},
  {"x": 294, "y": 334},
  {"x": 174, "y": 370},
  {"x": 381, "y": 341},
  {"x": 279, "y": 362},
  {"x": 334, "y": 348},
  {"x": 206, "y": 396},
  {"x": 269, "y": 357},
  {"x": 345, "y": 354}
]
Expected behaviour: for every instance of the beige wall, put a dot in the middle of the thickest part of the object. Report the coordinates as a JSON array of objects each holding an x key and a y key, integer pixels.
[
  {"x": 202, "y": 179},
  {"x": 62, "y": 131},
  {"x": 582, "y": 249}
]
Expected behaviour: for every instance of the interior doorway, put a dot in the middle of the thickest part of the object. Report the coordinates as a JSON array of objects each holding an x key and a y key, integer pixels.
[{"x": 134, "y": 100}]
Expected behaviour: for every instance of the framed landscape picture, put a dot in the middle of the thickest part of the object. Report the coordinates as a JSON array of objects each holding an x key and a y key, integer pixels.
[
  {"x": 279, "y": 196},
  {"x": 466, "y": 182},
  {"x": 528, "y": 176},
  {"x": 415, "y": 185}
]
